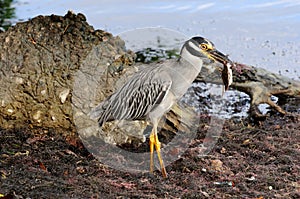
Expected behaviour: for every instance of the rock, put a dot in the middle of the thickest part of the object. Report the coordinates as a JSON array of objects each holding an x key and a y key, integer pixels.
[
  {"x": 63, "y": 95},
  {"x": 38, "y": 60}
]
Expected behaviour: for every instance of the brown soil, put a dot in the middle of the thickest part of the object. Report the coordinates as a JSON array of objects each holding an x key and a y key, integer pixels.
[{"x": 259, "y": 160}]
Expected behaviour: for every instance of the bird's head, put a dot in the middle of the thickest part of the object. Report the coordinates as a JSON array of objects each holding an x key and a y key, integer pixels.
[{"x": 199, "y": 47}]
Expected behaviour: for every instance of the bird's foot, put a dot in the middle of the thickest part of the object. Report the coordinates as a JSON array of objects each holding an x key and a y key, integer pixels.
[{"x": 155, "y": 142}]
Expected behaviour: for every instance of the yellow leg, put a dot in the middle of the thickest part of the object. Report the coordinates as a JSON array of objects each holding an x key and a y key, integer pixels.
[
  {"x": 161, "y": 162},
  {"x": 152, "y": 141},
  {"x": 155, "y": 142}
]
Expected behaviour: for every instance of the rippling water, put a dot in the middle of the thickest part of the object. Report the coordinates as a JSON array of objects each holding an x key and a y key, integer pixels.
[{"x": 261, "y": 33}]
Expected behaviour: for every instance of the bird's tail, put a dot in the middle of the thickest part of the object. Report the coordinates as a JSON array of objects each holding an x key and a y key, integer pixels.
[
  {"x": 99, "y": 113},
  {"x": 96, "y": 112}
]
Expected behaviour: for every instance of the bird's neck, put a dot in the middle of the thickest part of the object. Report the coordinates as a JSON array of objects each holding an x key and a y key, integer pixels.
[
  {"x": 190, "y": 61},
  {"x": 184, "y": 72}
]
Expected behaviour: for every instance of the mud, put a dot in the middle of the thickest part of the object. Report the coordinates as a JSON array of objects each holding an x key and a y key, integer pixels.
[{"x": 250, "y": 160}]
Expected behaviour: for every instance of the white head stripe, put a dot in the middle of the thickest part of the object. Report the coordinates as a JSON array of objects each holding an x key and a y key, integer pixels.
[{"x": 192, "y": 45}]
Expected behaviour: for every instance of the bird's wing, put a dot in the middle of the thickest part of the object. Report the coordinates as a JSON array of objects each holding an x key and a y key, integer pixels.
[{"x": 138, "y": 96}]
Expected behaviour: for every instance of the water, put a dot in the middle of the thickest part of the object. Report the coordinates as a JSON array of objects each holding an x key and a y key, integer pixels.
[{"x": 260, "y": 33}]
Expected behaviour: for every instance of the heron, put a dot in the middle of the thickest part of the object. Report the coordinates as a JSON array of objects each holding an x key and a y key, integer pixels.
[{"x": 152, "y": 91}]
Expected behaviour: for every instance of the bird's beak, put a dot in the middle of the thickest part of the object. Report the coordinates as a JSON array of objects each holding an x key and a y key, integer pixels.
[
  {"x": 227, "y": 67},
  {"x": 218, "y": 56}
]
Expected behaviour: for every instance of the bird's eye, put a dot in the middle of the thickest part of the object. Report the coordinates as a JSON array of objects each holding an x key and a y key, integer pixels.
[{"x": 204, "y": 46}]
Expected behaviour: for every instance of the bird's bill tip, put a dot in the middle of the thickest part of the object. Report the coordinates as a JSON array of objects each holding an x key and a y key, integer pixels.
[{"x": 220, "y": 57}]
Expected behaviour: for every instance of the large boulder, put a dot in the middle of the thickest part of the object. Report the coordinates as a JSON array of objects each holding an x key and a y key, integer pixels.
[{"x": 39, "y": 59}]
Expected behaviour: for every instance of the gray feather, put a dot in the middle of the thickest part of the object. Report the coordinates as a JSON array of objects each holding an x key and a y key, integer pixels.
[{"x": 136, "y": 98}]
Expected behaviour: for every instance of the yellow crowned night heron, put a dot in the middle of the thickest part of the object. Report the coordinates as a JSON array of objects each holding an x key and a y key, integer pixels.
[{"x": 152, "y": 91}]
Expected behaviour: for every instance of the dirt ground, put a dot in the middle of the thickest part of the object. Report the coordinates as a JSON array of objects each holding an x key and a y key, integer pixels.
[{"x": 251, "y": 160}]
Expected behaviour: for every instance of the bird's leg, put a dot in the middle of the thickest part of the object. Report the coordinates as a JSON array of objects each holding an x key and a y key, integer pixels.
[
  {"x": 155, "y": 142},
  {"x": 152, "y": 141},
  {"x": 161, "y": 162}
]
